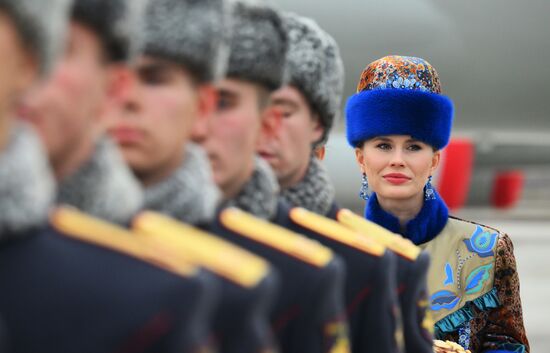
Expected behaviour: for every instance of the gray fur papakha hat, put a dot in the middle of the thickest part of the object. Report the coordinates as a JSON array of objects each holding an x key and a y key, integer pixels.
[
  {"x": 315, "y": 67},
  {"x": 258, "y": 44},
  {"x": 42, "y": 25},
  {"x": 194, "y": 33},
  {"x": 118, "y": 23}
]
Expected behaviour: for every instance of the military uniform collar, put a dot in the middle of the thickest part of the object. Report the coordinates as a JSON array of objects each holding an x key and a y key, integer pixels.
[
  {"x": 260, "y": 195},
  {"x": 315, "y": 192},
  {"x": 27, "y": 187},
  {"x": 189, "y": 194},
  {"x": 103, "y": 186}
]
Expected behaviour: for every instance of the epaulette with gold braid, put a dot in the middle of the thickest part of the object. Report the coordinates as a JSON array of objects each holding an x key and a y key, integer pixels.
[
  {"x": 394, "y": 242},
  {"x": 77, "y": 225},
  {"x": 335, "y": 231},
  {"x": 276, "y": 237},
  {"x": 211, "y": 252}
]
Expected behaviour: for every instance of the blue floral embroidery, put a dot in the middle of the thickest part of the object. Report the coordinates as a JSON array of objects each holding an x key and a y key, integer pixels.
[
  {"x": 481, "y": 243},
  {"x": 464, "y": 333},
  {"x": 443, "y": 299},
  {"x": 449, "y": 274},
  {"x": 475, "y": 280}
]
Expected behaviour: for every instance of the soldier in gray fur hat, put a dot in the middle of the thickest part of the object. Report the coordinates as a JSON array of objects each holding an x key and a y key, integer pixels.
[
  {"x": 257, "y": 68},
  {"x": 309, "y": 104},
  {"x": 66, "y": 109},
  {"x": 185, "y": 50}
]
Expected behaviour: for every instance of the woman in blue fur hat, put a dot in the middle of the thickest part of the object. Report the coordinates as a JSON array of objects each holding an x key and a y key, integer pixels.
[{"x": 398, "y": 123}]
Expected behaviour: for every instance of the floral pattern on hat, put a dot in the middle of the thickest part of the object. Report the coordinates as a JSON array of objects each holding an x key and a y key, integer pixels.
[{"x": 400, "y": 72}]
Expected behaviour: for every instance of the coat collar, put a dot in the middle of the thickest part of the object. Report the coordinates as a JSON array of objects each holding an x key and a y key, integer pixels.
[
  {"x": 189, "y": 194},
  {"x": 27, "y": 187},
  {"x": 315, "y": 192},
  {"x": 103, "y": 186},
  {"x": 260, "y": 195}
]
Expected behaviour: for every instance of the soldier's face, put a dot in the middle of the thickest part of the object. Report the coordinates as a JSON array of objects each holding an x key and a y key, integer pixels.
[
  {"x": 289, "y": 146},
  {"x": 17, "y": 71},
  {"x": 65, "y": 108},
  {"x": 231, "y": 136},
  {"x": 156, "y": 117}
]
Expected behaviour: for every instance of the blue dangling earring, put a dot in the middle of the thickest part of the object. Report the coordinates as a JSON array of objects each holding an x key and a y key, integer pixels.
[
  {"x": 364, "y": 191},
  {"x": 429, "y": 193}
]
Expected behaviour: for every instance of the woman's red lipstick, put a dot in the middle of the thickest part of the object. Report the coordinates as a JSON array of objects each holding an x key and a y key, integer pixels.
[{"x": 396, "y": 178}]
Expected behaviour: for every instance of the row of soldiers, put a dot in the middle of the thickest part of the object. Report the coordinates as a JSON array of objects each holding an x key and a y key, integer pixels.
[{"x": 167, "y": 199}]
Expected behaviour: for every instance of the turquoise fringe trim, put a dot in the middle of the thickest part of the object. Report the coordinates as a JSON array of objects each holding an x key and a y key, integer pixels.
[
  {"x": 452, "y": 322},
  {"x": 509, "y": 348},
  {"x": 487, "y": 301}
]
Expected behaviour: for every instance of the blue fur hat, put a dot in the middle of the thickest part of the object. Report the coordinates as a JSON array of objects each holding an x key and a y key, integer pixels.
[{"x": 399, "y": 95}]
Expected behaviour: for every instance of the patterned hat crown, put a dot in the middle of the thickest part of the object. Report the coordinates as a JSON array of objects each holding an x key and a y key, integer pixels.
[{"x": 400, "y": 72}]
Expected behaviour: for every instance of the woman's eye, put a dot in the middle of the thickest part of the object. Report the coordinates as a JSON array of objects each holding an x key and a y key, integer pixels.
[
  {"x": 383, "y": 146},
  {"x": 414, "y": 147}
]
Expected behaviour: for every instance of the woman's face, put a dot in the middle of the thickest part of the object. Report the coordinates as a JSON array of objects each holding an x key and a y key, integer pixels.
[{"x": 397, "y": 166}]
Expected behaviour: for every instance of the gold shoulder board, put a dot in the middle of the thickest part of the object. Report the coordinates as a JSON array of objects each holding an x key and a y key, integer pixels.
[
  {"x": 75, "y": 224},
  {"x": 219, "y": 256},
  {"x": 394, "y": 242},
  {"x": 277, "y": 237},
  {"x": 335, "y": 231}
]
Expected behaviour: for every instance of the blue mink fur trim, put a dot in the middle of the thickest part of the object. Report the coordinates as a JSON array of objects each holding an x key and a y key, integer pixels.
[{"x": 423, "y": 115}]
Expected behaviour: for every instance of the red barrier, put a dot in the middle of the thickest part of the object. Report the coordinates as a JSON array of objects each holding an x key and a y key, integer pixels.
[
  {"x": 507, "y": 188},
  {"x": 456, "y": 172}
]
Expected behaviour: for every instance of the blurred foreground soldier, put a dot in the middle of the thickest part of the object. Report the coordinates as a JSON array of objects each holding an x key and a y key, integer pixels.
[
  {"x": 308, "y": 106},
  {"x": 66, "y": 108},
  {"x": 308, "y": 316},
  {"x": 91, "y": 299},
  {"x": 185, "y": 50}
]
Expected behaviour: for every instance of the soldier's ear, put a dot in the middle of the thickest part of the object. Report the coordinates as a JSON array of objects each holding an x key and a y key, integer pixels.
[
  {"x": 119, "y": 81},
  {"x": 320, "y": 152},
  {"x": 318, "y": 129},
  {"x": 207, "y": 96},
  {"x": 271, "y": 122}
]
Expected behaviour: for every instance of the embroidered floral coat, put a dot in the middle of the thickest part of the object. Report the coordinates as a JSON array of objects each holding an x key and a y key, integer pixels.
[{"x": 474, "y": 288}]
